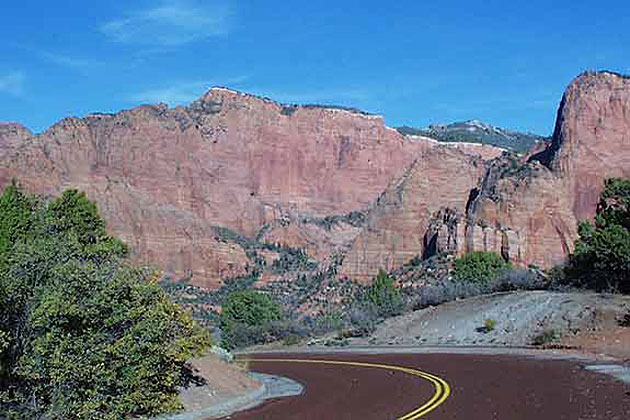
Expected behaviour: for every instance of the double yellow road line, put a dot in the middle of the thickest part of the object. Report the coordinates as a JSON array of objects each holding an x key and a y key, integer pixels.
[{"x": 442, "y": 388}]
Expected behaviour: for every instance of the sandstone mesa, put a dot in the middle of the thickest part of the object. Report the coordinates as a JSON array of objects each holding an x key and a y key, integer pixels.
[{"x": 166, "y": 179}]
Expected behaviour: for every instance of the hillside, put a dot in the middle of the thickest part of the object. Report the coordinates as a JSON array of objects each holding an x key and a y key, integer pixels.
[
  {"x": 521, "y": 318},
  {"x": 474, "y": 131}
]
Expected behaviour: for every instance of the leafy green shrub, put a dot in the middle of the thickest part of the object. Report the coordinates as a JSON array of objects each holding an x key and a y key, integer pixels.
[
  {"x": 383, "y": 296},
  {"x": 613, "y": 207},
  {"x": 489, "y": 325},
  {"x": 246, "y": 313},
  {"x": 82, "y": 333},
  {"x": 250, "y": 307},
  {"x": 601, "y": 259},
  {"x": 479, "y": 267}
]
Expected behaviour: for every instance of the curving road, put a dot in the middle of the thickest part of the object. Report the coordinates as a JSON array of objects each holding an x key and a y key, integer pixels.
[{"x": 439, "y": 386}]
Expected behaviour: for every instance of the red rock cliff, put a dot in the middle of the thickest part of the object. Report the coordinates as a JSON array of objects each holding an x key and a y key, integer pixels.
[
  {"x": 442, "y": 176},
  {"x": 540, "y": 205},
  {"x": 164, "y": 177}
]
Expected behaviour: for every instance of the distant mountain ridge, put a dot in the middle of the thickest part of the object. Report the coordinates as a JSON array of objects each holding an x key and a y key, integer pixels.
[
  {"x": 236, "y": 186},
  {"x": 475, "y": 131}
]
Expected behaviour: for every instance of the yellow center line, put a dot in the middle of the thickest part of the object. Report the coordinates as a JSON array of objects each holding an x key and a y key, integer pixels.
[{"x": 442, "y": 388}]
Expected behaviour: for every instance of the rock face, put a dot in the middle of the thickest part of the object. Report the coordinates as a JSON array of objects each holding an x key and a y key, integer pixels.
[
  {"x": 164, "y": 177},
  {"x": 525, "y": 208},
  {"x": 521, "y": 212},
  {"x": 336, "y": 183},
  {"x": 538, "y": 204},
  {"x": 592, "y": 137},
  {"x": 395, "y": 231}
]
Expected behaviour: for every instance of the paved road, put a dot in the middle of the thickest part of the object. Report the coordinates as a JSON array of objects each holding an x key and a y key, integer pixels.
[{"x": 461, "y": 386}]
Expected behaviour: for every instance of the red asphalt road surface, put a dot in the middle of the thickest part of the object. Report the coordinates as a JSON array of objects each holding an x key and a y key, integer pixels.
[{"x": 483, "y": 387}]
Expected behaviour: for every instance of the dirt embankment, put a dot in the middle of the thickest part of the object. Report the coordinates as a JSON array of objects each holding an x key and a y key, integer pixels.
[{"x": 587, "y": 321}]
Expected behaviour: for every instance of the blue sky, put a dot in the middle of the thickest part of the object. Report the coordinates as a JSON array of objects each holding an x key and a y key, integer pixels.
[{"x": 415, "y": 62}]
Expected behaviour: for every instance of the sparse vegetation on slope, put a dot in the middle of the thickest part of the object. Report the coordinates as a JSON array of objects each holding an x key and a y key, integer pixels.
[
  {"x": 476, "y": 132},
  {"x": 354, "y": 218},
  {"x": 290, "y": 259}
]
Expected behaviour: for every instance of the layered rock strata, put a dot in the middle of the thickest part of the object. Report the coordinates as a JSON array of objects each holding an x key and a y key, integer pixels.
[
  {"x": 333, "y": 182},
  {"x": 163, "y": 178}
]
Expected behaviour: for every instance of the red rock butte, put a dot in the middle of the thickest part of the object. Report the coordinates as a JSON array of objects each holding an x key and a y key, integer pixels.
[{"x": 166, "y": 179}]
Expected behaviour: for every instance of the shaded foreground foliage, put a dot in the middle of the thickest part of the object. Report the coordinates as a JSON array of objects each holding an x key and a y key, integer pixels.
[
  {"x": 83, "y": 335},
  {"x": 601, "y": 260}
]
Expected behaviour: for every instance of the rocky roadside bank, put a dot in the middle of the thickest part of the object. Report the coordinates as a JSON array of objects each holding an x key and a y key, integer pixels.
[{"x": 225, "y": 388}]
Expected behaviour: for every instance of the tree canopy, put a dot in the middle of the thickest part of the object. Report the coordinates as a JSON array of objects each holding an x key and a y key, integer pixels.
[
  {"x": 83, "y": 334},
  {"x": 601, "y": 259}
]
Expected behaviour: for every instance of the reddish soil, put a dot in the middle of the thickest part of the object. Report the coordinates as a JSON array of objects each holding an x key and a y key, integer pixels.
[
  {"x": 613, "y": 342},
  {"x": 483, "y": 387},
  {"x": 223, "y": 382}
]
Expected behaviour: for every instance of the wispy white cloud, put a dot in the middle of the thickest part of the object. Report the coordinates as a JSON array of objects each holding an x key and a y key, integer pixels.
[
  {"x": 12, "y": 83},
  {"x": 182, "y": 92},
  {"x": 69, "y": 61},
  {"x": 170, "y": 23}
]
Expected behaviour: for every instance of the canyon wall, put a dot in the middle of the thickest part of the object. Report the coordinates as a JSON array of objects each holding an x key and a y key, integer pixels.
[
  {"x": 536, "y": 204},
  {"x": 524, "y": 207},
  {"x": 443, "y": 176},
  {"x": 164, "y": 178},
  {"x": 333, "y": 182}
]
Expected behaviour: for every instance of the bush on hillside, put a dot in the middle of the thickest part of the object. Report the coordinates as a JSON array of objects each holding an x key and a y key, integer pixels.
[
  {"x": 444, "y": 290},
  {"x": 82, "y": 333},
  {"x": 479, "y": 267},
  {"x": 521, "y": 279},
  {"x": 249, "y": 317},
  {"x": 383, "y": 296},
  {"x": 601, "y": 259}
]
